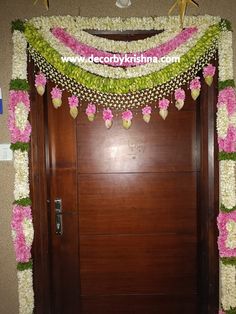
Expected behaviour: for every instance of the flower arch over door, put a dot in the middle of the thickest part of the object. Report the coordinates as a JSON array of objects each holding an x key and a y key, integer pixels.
[{"x": 52, "y": 40}]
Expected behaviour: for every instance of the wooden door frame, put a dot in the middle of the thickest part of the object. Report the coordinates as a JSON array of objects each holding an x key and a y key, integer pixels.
[{"x": 208, "y": 199}]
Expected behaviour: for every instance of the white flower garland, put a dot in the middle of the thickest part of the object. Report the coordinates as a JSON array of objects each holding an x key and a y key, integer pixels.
[
  {"x": 227, "y": 183},
  {"x": 231, "y": 239},
  {"x": 117, "y": 72},
  {"x": 26, "y": 293},
  {"x": 226, "y": 56},
  {"x": 19, "y": 59},
  {"x": 28, "y": 231},
  {"x": 21, "y": 163},
  {"x": 228, "y": 286},
  {"x": 21, "y": 114}
]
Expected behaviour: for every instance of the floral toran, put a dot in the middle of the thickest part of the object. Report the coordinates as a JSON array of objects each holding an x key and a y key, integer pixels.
[{"x": 50, "y": 39}]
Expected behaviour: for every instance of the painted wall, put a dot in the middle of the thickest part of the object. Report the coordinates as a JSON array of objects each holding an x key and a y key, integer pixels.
[{"x": 10, "y": 10}]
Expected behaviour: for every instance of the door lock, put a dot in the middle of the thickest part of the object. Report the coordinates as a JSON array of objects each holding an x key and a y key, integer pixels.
[{"x": 58, "y": 216}]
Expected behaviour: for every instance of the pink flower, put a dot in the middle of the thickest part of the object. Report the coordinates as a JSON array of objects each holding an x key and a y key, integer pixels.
[
  {"x": 164, "y": 103},
  {"x": 209, "y": 70},
  {"x": 73, "y": 101},
  {"x": 195, "y": 83},
  {"x": 127, "y": 115},
  {"x": 91, "y": 109},
  {"x": 228, "y": 144},
  {"x": 222, "y": 221},
  {"x": 16, "y": 134},
  {"x": 221, "y": 312},
  {"x": 107, "y": 114},
  {"x": 20, "y": 213},
  {"x": 179, "y": 94},
  {"x": 147, "y": 110},
  {"x": 56, "y": 92},
  {"x": 227, "y": 97},
  {"x": 40, "y": 79}
]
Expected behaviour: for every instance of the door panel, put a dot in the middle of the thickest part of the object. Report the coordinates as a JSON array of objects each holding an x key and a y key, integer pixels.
[
  {"x": 132, "y": 203},
  {"x": 155, "y": 147},
  {"x": 138, "y": 203}
]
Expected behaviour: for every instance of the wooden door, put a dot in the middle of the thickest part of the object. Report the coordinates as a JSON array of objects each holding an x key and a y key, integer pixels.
[{"x": 138, "y": 211}]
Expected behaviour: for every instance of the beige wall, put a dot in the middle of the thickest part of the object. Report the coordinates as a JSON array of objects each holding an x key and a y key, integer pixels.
[{"x": 12, "y": 9}]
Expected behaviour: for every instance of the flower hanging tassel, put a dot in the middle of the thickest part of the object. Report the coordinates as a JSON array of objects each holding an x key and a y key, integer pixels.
[
  {"x": 195, "y": 86},
  {"x": 208, "y": 73},
  {"x": 73, "y": 103},
  {"x": 56, "y": 94},
  {"x": 179, "y": 98},
  {"x": 163, "y": 106},
  {"x": 91, "y": 111},
  {"x": 40, "y": 83},
  {"x": 146, "y": 111},
  {"x": 107, "y": 117},
  {"x": 127, "y": 117}
]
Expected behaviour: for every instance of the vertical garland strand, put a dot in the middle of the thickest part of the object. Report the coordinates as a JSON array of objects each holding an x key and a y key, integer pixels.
[
  {"x": 226, "y": 129},
  {"x": 20, "y": 130}
]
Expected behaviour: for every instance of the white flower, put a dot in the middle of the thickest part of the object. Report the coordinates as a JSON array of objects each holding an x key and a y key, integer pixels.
[
  {"x": 228, "y": 286},
  {"x": 222, "y": 121},
  {"x": 225, "y": 56},
  {"x": 25, "y": 290},
  {"x": 22, "y": 174},
  {"x": 19, "y": 59},
  {"x": 21, "y": 114},
  {"x": 231, "y": 239},
  {"x": 28, "y": 231},
  {"x": 227, "y": 183}
]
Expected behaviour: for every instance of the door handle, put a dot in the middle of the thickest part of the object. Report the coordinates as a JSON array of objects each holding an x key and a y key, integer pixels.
[{"x": 58, "y": 216}]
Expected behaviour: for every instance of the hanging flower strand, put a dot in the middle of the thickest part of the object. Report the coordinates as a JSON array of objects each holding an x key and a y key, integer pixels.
[
  {"x": 91, "y": 111},
  {"x": 195, "y": 86},
  {"x": 40, "y": 83},
  {"x": 127, "y": 116},
  {"x": 146, "y": 111},
  {"x": 107, "y": 117},
  {"x": 163, "y": 106},
  {"x": 56, "y": 94},
  {"x": 179, "y": 98},
  {"x": 208, "y": 73},
  {"x": 73, "y": 103}
]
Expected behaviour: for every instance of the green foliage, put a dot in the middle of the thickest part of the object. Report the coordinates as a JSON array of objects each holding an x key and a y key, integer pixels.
[
  {"x": 19, "y": 84},
  {"x": 17, "y": 25},
  {"x": 227, "y": 210},
  {"x": 227, "y": 83},
  {"x": 20, "y": 146},
  {"x": 24, "y": 266},
  {"x": 23, "y": 201},
  {"x": 227, "y": 156},
  {"x": 226, "y": 25}
]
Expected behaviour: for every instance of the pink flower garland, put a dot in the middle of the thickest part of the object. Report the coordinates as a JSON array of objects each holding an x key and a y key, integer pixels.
[
  {"x": 56, "y": 93},
  {"x": 40, "y": 79},
  {"x": 147, "y": 110},
  {"x": 16, "y": 134},
  {"x": 164, "y": 104},
  {"x": 91, "y": 109},
  {"x": 73, "y": 101},
  {"x": 107, "y": 115},
  {"x": 195, "y": 83},
  {"x": 222, "y": 221},
  {"x": 180, "y": 94},
  {"x": 127, "y": 115},
  {"x": 227, "y": 97},
  {"x": 87, "y": 51},
  {"x": 20, "y": 213},
  {"x": 209, "y": 70}
]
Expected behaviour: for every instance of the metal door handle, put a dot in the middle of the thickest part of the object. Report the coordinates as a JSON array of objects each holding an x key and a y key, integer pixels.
[{"x": 58, "y": 216}]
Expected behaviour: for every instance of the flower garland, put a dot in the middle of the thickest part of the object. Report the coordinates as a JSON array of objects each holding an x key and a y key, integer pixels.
[
  {"x": 139, "y": 85},
  {"x": 86, "y": 51}
]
